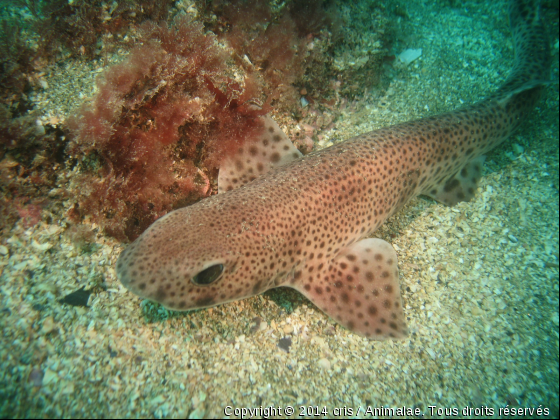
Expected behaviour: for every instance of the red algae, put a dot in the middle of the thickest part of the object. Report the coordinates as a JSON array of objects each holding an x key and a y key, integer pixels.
[{"x": 171, "y": 111}]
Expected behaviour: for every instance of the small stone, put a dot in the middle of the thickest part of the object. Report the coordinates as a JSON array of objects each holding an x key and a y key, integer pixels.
[
  {"x": 201, "y": 396},
  {"x": 518, "y": 149},
  {"x": 285, "y": 344},
  {"x": 476, "y": 311},
  {"x": 409, "y": 55},
  {"x": 68, "y": 388},
  {"x": 48, "y": 325},
  {"x": 157, "y": 400},
  {"x": 55, "y": 192},
  {"x": 41, "y": 247},
  {"x": 50, "y": 377},
  {"x": 255, "y": 324},
  {"x": 36, "y": 377},
  {"x": 555, "y": 318},
  {"x": 39, "y": 129},
  {"x": 324, "y": 363}
]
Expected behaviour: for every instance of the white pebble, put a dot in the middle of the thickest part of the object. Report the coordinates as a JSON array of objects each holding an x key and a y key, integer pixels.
[{"x": 325, "y": 363}]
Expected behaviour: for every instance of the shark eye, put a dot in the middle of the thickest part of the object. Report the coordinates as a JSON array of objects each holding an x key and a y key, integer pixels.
[{"x": 208, "y": 275}]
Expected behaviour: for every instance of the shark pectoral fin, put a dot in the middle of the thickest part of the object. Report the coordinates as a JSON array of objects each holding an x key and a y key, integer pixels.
[
  {"x": 361, "y": 290},
  {"x": 272, "y": 149},
  {"x": 461, "y": 186}
]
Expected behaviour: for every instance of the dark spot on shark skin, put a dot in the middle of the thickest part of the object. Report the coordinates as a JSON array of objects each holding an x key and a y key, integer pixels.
[
  {"x": 451, "y": 185},
  {"x": 204, "y": 301},
  {"x": 161, "y": 294}
]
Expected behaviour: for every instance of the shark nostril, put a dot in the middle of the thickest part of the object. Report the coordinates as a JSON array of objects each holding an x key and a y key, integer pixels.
[{"x": 208, "y": 275}]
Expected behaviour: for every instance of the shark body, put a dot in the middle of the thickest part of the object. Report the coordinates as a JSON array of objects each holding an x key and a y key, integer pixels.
[{"x": 304, "y": 222}]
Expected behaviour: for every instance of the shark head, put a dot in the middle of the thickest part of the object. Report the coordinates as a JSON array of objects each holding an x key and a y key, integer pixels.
[{"x": 192, "y": 259}]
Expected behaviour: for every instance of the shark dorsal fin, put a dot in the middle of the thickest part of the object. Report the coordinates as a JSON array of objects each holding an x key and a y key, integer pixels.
[{"x": 272, "y": 149}]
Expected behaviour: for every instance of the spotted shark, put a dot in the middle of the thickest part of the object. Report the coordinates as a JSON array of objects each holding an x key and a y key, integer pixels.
[{"x": 283, "y": 219}]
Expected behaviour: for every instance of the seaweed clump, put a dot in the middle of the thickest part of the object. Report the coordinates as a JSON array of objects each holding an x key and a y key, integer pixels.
[
  {"x": 158, "y": 128},
  {"x": 282, "y": 46},
  {"x": 31, "y": 155},
  {"x": 86, "y": 27},
  {"x": 35, "y": 34}
]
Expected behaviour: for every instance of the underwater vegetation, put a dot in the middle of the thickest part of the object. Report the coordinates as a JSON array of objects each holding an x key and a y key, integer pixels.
[
  {"x": 158, "y": 125},
  {"x": 31, "y": 157},
  {"x": 34, "y": 35},
  {"x": 196, "y": 78}
]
